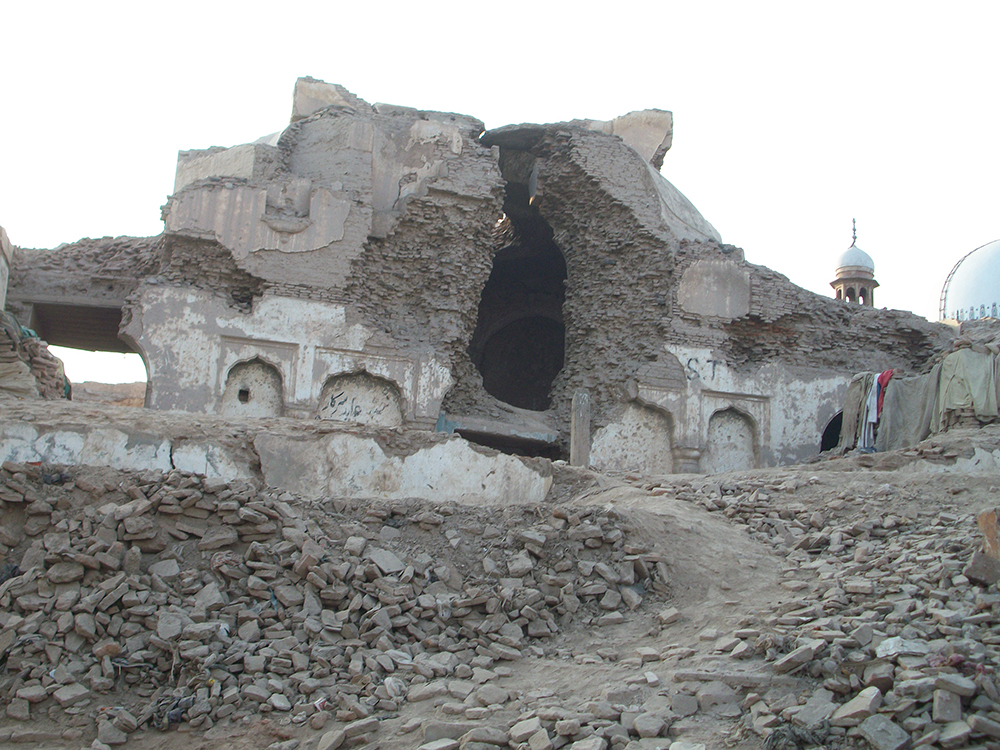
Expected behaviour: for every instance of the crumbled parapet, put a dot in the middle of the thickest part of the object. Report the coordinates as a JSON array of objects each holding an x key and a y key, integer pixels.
[{"x": 312, "y": 95}]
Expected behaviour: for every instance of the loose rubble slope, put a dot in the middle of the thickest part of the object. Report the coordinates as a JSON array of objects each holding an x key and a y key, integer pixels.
[{"x": 824, "y": 605}]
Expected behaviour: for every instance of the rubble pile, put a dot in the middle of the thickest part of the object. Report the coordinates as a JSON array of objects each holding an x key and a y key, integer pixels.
[
  {"x": 25, "y": 357},
  {"x": 898, "y": 617},
  {"x": 147, "y": 599},
  {"x": 865, "y": 614},
  {"x": 982, "y": 336}
]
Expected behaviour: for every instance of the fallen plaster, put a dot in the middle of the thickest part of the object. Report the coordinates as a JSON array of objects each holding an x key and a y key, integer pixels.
[
  {"x": 127, "y": 450},
  {"x": 312, "y": 459},
  {"x": 346, "y": 465}
]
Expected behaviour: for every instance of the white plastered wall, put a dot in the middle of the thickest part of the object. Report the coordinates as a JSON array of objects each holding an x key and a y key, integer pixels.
[
  {"x": 192, "y": 339},
  {"x": 788, "y": 409}
]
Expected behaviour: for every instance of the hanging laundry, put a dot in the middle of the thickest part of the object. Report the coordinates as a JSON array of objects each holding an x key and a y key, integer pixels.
[
  {"x": 867, "y": 442},
  {"x": 883, "y": 382}
]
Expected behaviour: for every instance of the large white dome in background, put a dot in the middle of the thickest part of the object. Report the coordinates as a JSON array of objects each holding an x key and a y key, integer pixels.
[{"x": 972, "y": 289}]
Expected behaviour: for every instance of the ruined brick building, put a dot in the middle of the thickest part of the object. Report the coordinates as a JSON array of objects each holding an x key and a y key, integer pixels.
[{"x": 398, "y": 267}]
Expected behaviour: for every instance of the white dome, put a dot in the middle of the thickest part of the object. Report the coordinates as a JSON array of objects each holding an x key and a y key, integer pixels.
[
  {"x": 972, "y": 289},
  {"x": 855, "y": 257}
]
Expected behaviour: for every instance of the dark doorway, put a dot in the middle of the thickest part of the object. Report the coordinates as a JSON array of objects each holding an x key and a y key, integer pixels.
[
  {"x": 520, "y": 339},
  {"x": 520, "y": 361},
  {"x": 831, "y": 435}
]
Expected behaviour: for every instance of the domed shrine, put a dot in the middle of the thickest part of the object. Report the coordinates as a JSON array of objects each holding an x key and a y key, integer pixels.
[{"x": 855, "y": 281}]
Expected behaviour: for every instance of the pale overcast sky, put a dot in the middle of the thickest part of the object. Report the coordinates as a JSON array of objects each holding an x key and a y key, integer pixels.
[{"x": 790, "y": 118}]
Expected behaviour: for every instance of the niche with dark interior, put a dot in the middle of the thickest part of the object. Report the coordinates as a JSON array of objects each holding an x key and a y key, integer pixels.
[
  {"x": 831, "y": 435},
  {"x": 520, "y": 339}
]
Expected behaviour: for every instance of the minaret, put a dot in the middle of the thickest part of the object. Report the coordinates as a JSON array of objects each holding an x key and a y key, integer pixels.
[{"x": 855, "y": 280}]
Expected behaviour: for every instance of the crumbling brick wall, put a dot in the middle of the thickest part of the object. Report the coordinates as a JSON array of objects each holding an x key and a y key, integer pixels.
[
  {"x": 93, "y": 271},
  {"x": 621, "y": 304}
]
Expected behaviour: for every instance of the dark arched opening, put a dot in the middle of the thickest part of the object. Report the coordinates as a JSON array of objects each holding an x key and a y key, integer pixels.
[
  {"x": 519, "y": 342},
  {"x": 831, "y": 435},
  {"x": 520, "y": 361}
]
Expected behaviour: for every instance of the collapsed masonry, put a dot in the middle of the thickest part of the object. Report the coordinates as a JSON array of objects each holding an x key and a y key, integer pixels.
[{"x": 396, "y": 267}]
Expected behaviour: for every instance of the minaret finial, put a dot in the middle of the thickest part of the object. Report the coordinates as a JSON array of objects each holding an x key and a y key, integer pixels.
[{"x": 854, "y": 232}]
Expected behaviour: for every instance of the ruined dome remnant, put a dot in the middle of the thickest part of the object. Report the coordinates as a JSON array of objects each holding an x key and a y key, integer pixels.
[
  {"x": 401, "y": 268},
  {"x": 288, "y": 549}
]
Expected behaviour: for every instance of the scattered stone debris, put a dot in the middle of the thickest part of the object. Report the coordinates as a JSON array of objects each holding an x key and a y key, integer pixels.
[
  {"x": 157, "y": 599},
  {"x": 904, "y": 642},
  {"x": 138, "y": 606}
]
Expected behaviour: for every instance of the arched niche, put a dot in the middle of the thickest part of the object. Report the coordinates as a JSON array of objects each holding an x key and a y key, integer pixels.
[
  {"x": 731, "y": 443},
  {"x": 363, "y": 398},
  {"x": 641, "y": 441},
  {"x": 253, "y": 389}
]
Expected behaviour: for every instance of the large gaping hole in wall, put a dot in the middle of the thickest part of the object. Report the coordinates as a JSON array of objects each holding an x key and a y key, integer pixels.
[
  {"x": 104, "y": 377},
  {"x": 253, "y": 389},
  {"x": 99, "y": 365},
  {"x": 519, "y": 362},
  {"x": 520, "y": 339}
]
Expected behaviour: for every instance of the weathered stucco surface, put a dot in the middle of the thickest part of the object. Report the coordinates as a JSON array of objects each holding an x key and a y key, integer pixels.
[
  {"x": 345, "y": 465},
  {"x": 402, "y": 268},
  {"x": 360, "y": 398},
  {"x": 639, "y": 442},
  {"x": 253, "y": 389},
  {"x": 313, "y": 459},
  {"x": 718, "y": 287},
  {"x": 196, "y": 340},
  {"x": 118, "y": 448}
]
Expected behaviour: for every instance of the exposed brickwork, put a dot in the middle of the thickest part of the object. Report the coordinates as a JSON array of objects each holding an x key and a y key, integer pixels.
[
  {"x": 209, "y": 266},
  {"x": 621, "y": 295}
]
